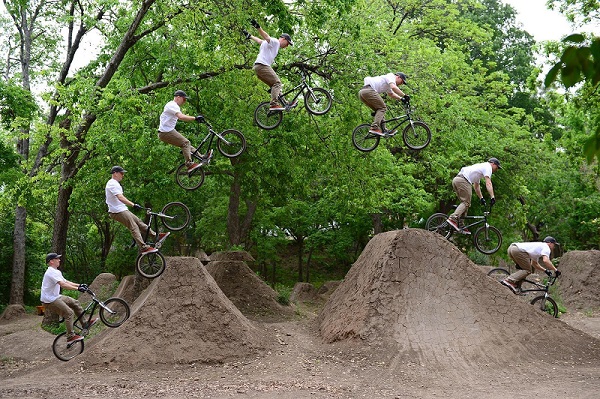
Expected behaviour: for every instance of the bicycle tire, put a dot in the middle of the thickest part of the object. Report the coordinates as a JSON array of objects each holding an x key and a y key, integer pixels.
[
  {"x": 318, "y": 102},
  {"x": 265, "y": 118},
  {"x": 234, "y": 144},
  {"x": 547, "y": 305},
  {"x": 416, "y": 135},
  {"x": 498, "y": 273},
  {"x": 150, "y": 265},
  {"x": 191, "y": 180},
  {"x": 487, "y": 243},
  {"x": 363, "y": 140},
  {"x": 64, "y": 351},
  {"x": 438, "y": 223},
  {"x": 176, "y": 216},
  {"x": 121, "y": 312}
]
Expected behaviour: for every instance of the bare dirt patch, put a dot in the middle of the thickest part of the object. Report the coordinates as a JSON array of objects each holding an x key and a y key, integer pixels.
[{"x": 414, "y": 318}]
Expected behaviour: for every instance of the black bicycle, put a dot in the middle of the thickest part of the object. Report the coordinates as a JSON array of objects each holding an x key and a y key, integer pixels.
[
  {"x": 113, "y": 312},
  {"x": 487, "y": 239},
  {"x": 416, "y": 135},
  {"x": 175, "y": 216},
  {"x": 543, "y": 302},
  {"x": 317, "y": 101},
  {"x": 231, "y": 143}
]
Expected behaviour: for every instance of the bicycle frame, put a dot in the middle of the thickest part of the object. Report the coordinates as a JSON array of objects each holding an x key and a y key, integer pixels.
[
  {"x": 480, "y": 219},
  {"x": 401, "y": 120},
  {"x": 540, "y": 287},
  {"x": 300, "y": 88}
]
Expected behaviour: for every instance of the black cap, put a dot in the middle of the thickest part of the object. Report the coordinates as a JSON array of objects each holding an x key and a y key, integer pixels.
[
  {"x": 495, "y": 162},
  {"x": 116, "y": 169},
  {"x": 180, "y": 93},
  {"x": 52, "y": 255},
  {"x": 288, "y": 38},
  {"x": 401, "y": 75},
  {"x": 550, "y": 239}
]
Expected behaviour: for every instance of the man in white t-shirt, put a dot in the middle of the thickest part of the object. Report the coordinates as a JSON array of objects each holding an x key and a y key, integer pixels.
[
  {"x": 65, "y": 306},
  {"x": 117, "y": 210},
  {"x": 463, "y": 184},
  {"x": 370, "y": 95},
  {"x": 269, "y": 48},
  {"x": 166, "y": 129},
  {"x": 527, "y": 256}
]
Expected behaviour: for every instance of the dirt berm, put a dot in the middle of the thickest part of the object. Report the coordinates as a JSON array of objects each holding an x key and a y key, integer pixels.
[{"x": 414, "y": 294}]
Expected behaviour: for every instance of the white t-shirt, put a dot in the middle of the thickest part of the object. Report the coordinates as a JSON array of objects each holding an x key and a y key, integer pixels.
[
  {"x": 268, "y": 51},
  {"x": 475, "y": 173},
  {"x": 381, "y": 84},
  {"x": 112, "y": 189},
  {"x": 50, "y": 288},
  {"x": 535, "y": 250},
  {"x": 168, "y": 118}
]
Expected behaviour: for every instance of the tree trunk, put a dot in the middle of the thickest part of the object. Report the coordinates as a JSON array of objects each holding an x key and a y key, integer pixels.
[
  {"x": 300, "y": 241},
  {"x": 377, "y": 223},
  {"x": 61, "y": 219},
  {"x": 17, "y": 284},
  {"x": 238, "y": 227}
]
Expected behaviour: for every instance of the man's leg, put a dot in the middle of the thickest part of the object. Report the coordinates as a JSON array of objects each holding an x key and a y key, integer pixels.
[
  {"x": 374, "y": 101},
  {"x": 522, "y": 259},
  {"x": 60, "y": 307},
  {"x": 134, "y": 224},
  {"x": 464, "y": 191},
  {"x": 177, "y": 139},
  {"x": 267, "y": 75}
]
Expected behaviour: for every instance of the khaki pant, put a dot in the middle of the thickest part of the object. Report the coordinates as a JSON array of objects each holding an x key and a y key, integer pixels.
[
  {"x": 134, "y": 224},
  {"x": 373, "y": 100},
  {"x": 178, "y": 140},
  {"x": 267, "y": 75},
  {"x": 65, "y": 306},
  {"x": 522, "y": 259},
  {"x": 464, "y": 191}
]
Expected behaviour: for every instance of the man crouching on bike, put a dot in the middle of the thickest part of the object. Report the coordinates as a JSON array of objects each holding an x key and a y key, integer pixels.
[
  {"x": 527, "y": 255},
  {"x": 371, "y": 97},
  {"x": 63, "y": 305}
]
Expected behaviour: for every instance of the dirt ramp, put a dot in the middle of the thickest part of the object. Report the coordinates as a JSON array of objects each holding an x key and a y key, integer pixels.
[
  {"x": 251, "y": 295},
  {"x": 182, "y": 317},
  {"x": 416, "y": 295},
  {"x": 580, "y": 280}
]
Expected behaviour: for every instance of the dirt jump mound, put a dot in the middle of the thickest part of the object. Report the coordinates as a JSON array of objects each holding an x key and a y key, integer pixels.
[
  {"x": 182, "y": 317},
  {"x": 580, "y": 280},
  {"x": 414, "y": 294}
]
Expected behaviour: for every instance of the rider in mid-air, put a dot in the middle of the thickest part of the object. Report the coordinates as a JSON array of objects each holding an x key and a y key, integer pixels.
[{"x": 370, "y": 94}]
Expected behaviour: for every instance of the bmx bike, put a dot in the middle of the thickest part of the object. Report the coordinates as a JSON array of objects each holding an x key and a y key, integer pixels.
[
  {"x": 113, "y": 312},
  {"x": 231, "y": 143},
  {"x": 317, "y": 101}
]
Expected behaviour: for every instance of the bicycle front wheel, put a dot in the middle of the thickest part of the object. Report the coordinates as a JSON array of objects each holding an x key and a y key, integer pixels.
[
  {"x": 191, "y": 180},
  {"x": 66, "y": 351},
  {"x": 175, "y": 216},
  {"x": 317, "y": 101},
  {"x": 498, "y": 274},
  {"x": 545, "y": 304},
  {"x": 487, "y": 240},
  {"x": 438, "y": 223},
  {"x": 265, "y": 118},
  {"x": 116, "y": 314},
  {"x": 232, "y": 143},
  {"x": 150, "y": 265},
  {"x": 363, "y": 140},
  {"x": 416, "y": 135}
]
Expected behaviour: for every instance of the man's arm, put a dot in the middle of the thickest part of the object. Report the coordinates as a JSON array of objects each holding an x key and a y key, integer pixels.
[
  {"x": 68, "y": 285},
  {"x": 124, "y": 200},
  {"x": 477, "y": 188},
  {"x": 183, "y": 117},
  {"x": 395, "y": 91},
  {"x": 489, "y": 187}
]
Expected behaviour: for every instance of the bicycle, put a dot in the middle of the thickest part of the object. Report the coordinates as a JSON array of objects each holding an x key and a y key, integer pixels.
[
  {"x": 487, "y": 239},
  {"x": 317, "y": 101},
  {"x": 416, "y": 135},
  {"x": 545, "y": 301},
  {"x": 175, "y": 216},
  {"x": 113, "y": 312},
  {"x": 231, "y": 143}
]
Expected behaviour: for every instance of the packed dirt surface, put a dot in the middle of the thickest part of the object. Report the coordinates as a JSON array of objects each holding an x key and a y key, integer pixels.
[{"x": 414, "y": 318}]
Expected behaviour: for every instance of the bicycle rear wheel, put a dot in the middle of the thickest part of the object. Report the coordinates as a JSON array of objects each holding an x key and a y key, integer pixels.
[
  {"x": 487, "y": 240},
  {"x": 546, "y": 304},
  {"x": 498, "y": 274},
  {"x": 318, "y": 102},
  {"x": 232, "y": 144},
  {"x": 175, "y": 216},
  {"x": 118, "y": 313},
  {"x": 65, "y": 351},
  {"x": 191, "y": 180},
  {"x": 150, "y": 265},
  {"x": 416, "y": 135},
  {"x": 438, "y": 223},
  {"x": 265, "y": 118},
  {"x": 363, "y": 140}
]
